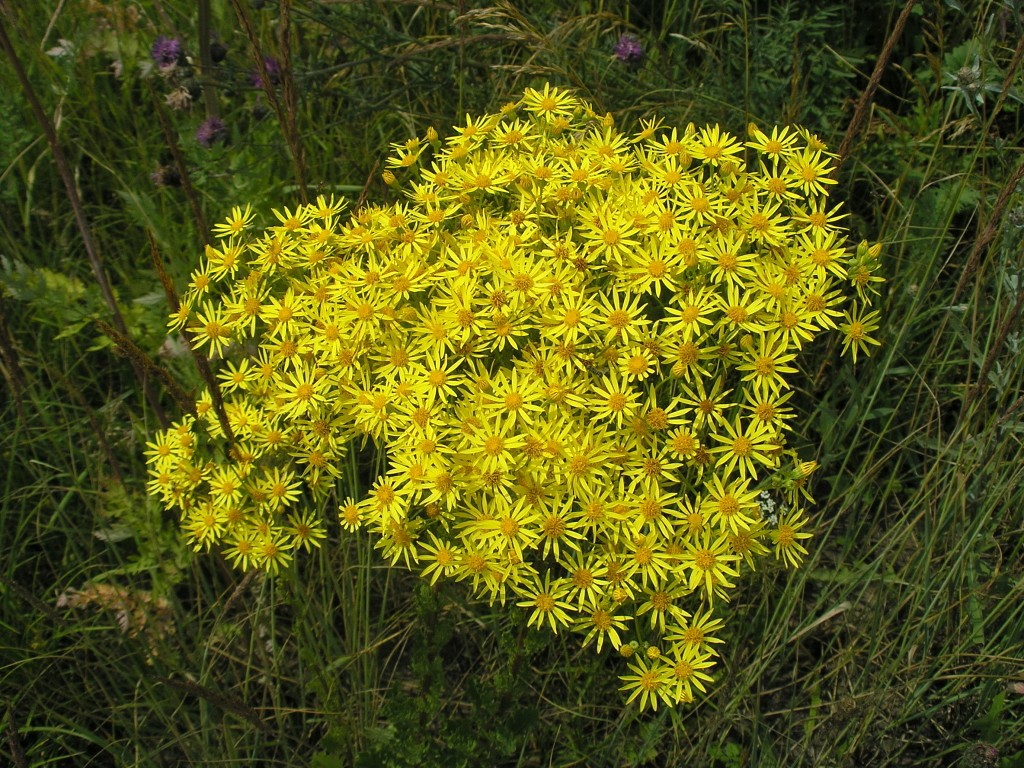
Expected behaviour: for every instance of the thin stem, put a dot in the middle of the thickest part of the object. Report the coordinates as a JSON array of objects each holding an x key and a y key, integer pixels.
[
  {"x": 200, "y": 359},
  {"x": 218, "y": 699},
  {"x": 64, "y": 170},
  {"x": 1008, "y": 325},
  {"x": 876, "y": 77},
  {"x": 9, "y": 356},
  {"x": 182, "y": 168},
  {"x": 288, "y": 91},
  {"x": 14, "y": 739},
  {"x": 206, "y": 61},
  {"x": 285, "y": 117},
  {"x": 131, "y": 350},
  {"x": 989, "y": 232}
]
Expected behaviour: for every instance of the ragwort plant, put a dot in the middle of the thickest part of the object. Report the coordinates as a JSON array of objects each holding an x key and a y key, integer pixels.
[{"x": 573, "y": 346}]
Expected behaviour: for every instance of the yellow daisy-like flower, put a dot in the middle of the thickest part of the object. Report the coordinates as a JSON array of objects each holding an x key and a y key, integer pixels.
[
  {"x": 856, "y": 330},
  {"x": 650, "y": 682},
  {"x": 550, "y": 103},
  {"x": 788, "y": 538},
  {"x": 730, "y": 506},
  {"x": 689, "y": 672},
  {"x": 778, "y": 145},
  {"x": 714, "y": 146},
  {"x": 812, "y": 171},
  {"x": 305, "y": 530},
  {"x": 613, "y": 400},
  {"x": 212, "y": 330},
  {"x": 235, "y": 224},
  {"x": 600, "y": 623},
  {"x": 745, "y": 448},
  {"x": 610, "y": 235},
  {"x": 547, "y": 604},
  {"x": 710, "y": 565},
  {"x": 441, "y": 558},
  {"x": 622, "y": 319}
]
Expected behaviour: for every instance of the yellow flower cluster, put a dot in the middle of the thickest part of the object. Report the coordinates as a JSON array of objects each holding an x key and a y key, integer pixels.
[{"x": 573, "y": 348}]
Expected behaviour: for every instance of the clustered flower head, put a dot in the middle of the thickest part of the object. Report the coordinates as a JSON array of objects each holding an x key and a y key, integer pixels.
[
  {"x": 628, "y": 50},
  {"x": 573, "y": 349},
  {"x": 210, "y": 131},
  {"x": 273, "y": 73},
  {"x": 166, "y": 52}
]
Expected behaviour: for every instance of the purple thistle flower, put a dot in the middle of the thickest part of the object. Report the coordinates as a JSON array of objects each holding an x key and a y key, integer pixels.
[
  {"x": 273, "y": 72},
  {"x": 629, "y": 51},
  {"x": 166, "y": 52},
  {"x": 211, "y": 131},
  {"x": 165, "y": 176}
]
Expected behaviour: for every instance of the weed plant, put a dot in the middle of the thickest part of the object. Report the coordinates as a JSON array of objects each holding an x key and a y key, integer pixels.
[{"x": 898, "y": 642}]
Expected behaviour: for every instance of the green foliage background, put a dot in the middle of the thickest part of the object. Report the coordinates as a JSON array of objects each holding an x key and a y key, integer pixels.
[{"x": 899, "y": 643}]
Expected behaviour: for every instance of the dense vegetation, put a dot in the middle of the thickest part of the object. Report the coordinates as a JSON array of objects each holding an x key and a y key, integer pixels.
[{"x": 137, "y": 126}]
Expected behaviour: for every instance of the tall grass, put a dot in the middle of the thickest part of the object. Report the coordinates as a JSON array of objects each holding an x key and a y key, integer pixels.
[{"x": 898, "y": 643}]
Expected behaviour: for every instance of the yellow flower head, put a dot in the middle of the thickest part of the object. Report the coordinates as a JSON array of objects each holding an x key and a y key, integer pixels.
[{"x": 573, "y": 345}]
